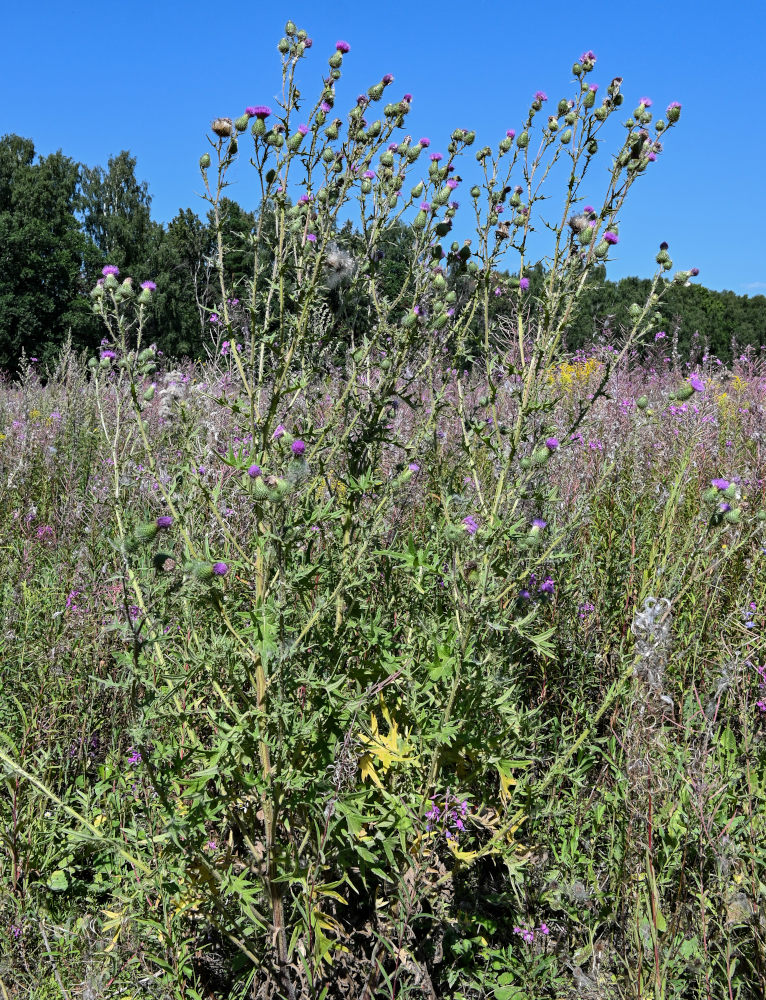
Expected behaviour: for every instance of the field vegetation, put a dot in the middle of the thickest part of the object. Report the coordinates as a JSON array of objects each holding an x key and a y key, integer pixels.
[{"x": 390, "y": 649}]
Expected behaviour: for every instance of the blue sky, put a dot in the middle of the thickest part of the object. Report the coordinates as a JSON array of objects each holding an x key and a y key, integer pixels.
[{"x": 93, "y": 79}]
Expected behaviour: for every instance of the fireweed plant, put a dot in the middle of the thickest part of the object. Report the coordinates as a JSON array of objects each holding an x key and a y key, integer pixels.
[{"x": 348, "y": 571}]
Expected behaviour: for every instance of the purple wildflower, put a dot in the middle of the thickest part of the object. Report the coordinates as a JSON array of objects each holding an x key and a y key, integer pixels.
[
  {"x": 135, "y": 756},
  {"x": 279, "y": 432},
  {"x": 369, "y": 174},
  {"x": 343, "y": 47},
  {"x": 611, "y": 237},
  {"x": 259, "y": 111},
  {"x": 470, "y": 524},
  {"x": 696, "y": 383},
  {"x": 524, "y": 284},
  {"x": 407, "y": 98},
  {"x": 298, "y": 447},
  {"x": 424, "y": 142},
  {"x": 551, "y": 443},
  {"x": 164, "y": 521},
  {"x": 254, "y": 471},
  {"x": 149, "y": 286},
  {"x": 546, "y": 587},
  {"x": 720, "y": 484},
  {"x": 220, "y": 568},
  {"x": 511, "y": 133},
  {"x": 387, "y": 78},
  {"x": 589, "y": 56},
  {"x": 413, "y": 467},
  {"x": 539, "y": 523},
  {"x": 108, "y": 354},
  {"x": 303, "y": 129},
  {"x": 311, "y": 238},
  {"x": 110, "y": 269},
  {"x": 436, "y": 157},
  {"x": 645, "y": 102},
  {"x": 540, "y": 95}
]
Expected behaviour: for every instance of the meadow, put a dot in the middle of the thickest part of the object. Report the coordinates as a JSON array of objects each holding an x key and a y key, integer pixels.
[{"x": 391, "y": 649}]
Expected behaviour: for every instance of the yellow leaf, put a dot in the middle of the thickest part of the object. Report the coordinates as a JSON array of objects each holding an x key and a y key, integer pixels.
[{"x": 368, "y": 771}]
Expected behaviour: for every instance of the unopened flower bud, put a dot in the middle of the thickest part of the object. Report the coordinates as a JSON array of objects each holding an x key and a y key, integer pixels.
[
  {"x": 241, "y": 123},
  {"x": 336, "y": 60},
  {"x": 673, "y": 112},
  {"x": 566, "y": 136},
  {"x": 283, "y": 46},
  {"x": 642, "y": 402},
  {"x": 522, "y": 140},
  {"x": 204, "y": 161}
]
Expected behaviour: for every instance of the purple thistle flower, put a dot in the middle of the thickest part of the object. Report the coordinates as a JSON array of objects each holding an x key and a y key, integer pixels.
[
  {"x": 470, "y": 524},
  {"x": 110, "y": 269},
  {"x": 696, "y": 383},
  {"x": 303, "y": 129},
  {"x": 298, "y": 447},
  {"x": 674, "y": 104},
  {"x": 407, "y": 98},
  {"x": 539, "y": 523},
  {"x": 523, "y": 284},
  {"x": 546, "y": 587},
  {"x": 645, "y": 102},
  {"x": 452, "y": 183},
  {"x": 436, "y": 157},
  {"x": 593, "y": 88},
  {"x": 254, "y": 471},
  {"x": 164, "y": 521},
  {"x": 220, "y": 568},
  {"x": 720, "y": 484},
  {"x": 311, "y": 238},
  {"x": 108, "y": 354},
  {"x": 611, "y": 237},
  {"x": 281, "y": 429},
  {"x": 511, "y": 133},
  {"x": 540, "y": 95},
  {"x": 387, "y": 78},
  {"x": 425, "y": 206},
  {"x": 424, "y": 142},
  {"x": 589, "y": 56},
  {"x": 259, "y": 111},
  {"x": 149, "y": 286},
  {"x": 343, "y": 47},
  {"x": 551, "y": 443},
  {"x": 324, "y": 106},
  {"x": 413, "y": 467},
  {"x": 369, "y": 174}
]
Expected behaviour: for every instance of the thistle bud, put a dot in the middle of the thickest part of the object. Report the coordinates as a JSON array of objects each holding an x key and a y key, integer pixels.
[
  {"x": 642, "y": 402},
  {"x": 336, "y": 60},
  {"x": 590, "y": 99},
  {"x": 585, "y": 236},
  {"x": 146, "y": 532},
  {"x": 202, "y": 571},
  {"x": 366, "y": 186},
  {"x": 673, "y": 112},
  {"x": 420, "y": 220},
  {"x": 730, "y": 492},
  {"x": 374, "y": 130},
  {"x": 258, "y": 128},
  {"x": 566, "y": 136},
  {"x": 290, "y": 28},
  {"x": 733, "y": 516},
  {"x": 204, "y": 161},
  {"x": 376, "y": 91},
  {"x": 600, "y": 114},
  {"x": 522, "y": 140},
  {"x": 602, "y": 250},
  {"x": 592, "y": 147},
  {"x": 475, "y": 192},
  {"x": 540, "y": 456},
  {"x": 684, "y": 393},
  {"x": 283, "y": 46},
  {"x": 577, "y": 69},
  {"x": 241, "y": 123}
]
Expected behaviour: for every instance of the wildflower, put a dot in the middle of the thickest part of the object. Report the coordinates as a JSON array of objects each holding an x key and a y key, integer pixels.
[
  {"x": 407, "y": 98},
  {"x": 135, "y": 756},
  {"x": 254, "y": 471},
  {"x": 387, "y": 78},
  {"x": 213, "y": 318},
  {"x": 369, "y": 175},
  {"x": 539, "y": 523},
  {"x": 511, "y": 133},
  {"x": 164, "y": 521},
  {"x": 311, "y": 238},
  {"x": 279, "y": 432},
  {"x": 589, "y": 56},
  {"x": 110, "y": 269},
  {"x": 547, "y": 586},
  {"x": 551, "y": 443},
  {"x": 436, "y": 157},
  {"x": 148, "y": 286},
  {"x": 259, "y": 111},
  {"x": 343, "y": 47},
  {"x": 108, "y": 354},
  {"x": 524, "y": 284},
  {"x": 660, "y": 335},
  {"x": 611, "y": 237},
  {"x": 324, "y": 106},
  {"x": 303, "y": 129},
  {"x": 298, "y": 447},
  {"x": 720, "y": 484},
  {"x": 544, "y": 929},
  {"x": 696, "y": 383},
  {"x": 413, "y": 467},
  {"x": 540, "y": 95},
  {"x": 470, "y": 524},
  {"x": 645, "y": 102},
  {"x": 425, "y": 143},
  {"x": 220, "y": 568}
]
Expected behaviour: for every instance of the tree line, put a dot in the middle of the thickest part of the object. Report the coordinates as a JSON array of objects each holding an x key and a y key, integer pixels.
[{"x": 61, "y": 221}]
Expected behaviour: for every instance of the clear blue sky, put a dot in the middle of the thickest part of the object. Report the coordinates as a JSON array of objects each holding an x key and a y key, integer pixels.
[{"x": 92, "y": 79}]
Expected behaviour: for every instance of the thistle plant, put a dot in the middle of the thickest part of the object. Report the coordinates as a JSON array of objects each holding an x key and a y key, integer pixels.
[{"x": 350, "y": 577}]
